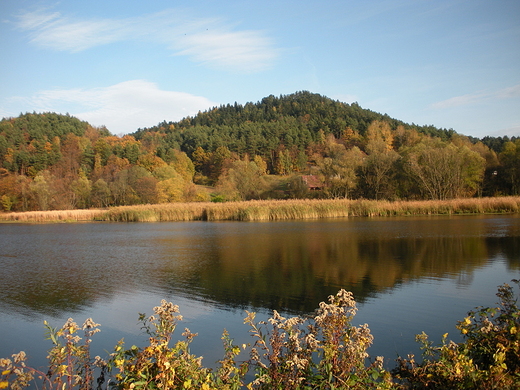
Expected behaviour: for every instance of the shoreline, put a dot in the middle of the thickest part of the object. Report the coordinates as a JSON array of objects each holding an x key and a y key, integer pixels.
[{"x": 271, "y": 210}]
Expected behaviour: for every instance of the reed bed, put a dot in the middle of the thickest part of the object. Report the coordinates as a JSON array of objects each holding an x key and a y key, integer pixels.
[
  {"x": 272, "y": 210},
  {"x": 53, "y": 216}
]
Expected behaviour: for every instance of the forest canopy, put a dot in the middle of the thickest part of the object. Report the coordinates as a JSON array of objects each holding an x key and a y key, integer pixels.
[{"x": 294, "y": 146}]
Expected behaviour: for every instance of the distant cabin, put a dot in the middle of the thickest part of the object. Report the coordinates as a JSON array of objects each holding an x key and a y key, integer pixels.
[{"x": 313, "y": 183}]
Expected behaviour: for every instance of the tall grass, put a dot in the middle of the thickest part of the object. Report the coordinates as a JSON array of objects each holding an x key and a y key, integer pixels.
[
  {"x": 53, "y": 216},
  {"x": 271, "y": 210}
]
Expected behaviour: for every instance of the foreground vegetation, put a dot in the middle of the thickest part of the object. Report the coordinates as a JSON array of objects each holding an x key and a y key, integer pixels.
[
  {"x": 270, "y": 210},
  {"x": 322, "y": 351}
]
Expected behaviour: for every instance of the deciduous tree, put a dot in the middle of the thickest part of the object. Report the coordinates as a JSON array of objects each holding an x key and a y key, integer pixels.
[
  {"x": 378, "y": 169},
  {"x": 242, "y": 181},
  {"x": 445, "y": 171}
]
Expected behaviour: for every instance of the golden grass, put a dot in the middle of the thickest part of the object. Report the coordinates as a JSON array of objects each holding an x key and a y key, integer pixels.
[
  {"x": 269, "y": 210},
  {"x": 53, "y": 216}
]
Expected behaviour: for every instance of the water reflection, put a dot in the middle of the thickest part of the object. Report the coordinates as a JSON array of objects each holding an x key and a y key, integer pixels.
[
  {"x": 289, "y": 266},
  {"x": 295, "y": 266}
]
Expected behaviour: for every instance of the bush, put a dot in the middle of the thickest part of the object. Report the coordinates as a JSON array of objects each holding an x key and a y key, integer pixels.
[
  {"x": 323, "y": 351},
  {"x": 489, "y": 357}
]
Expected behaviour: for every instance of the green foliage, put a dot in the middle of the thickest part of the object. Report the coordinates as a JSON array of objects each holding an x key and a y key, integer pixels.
[
  {"x": 489, "y": 357},
  {"x": 159, "y": 365},
  {"x": 323, "y": 351},
  {"x": 445, "y": 170},
  {"x": 356, "y": 152},
  {"x": 242, "y": 181},
  {"x": 70, "y": 364},
  {"x": 510, "y": 161},
  {"x": 297, "y": 120}
]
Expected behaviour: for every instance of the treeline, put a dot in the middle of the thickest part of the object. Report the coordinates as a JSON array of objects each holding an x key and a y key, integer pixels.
[
  {"x": 51, "y": 161},
  {"x": 297, "y": 146},
  {"x": 350, "y": 151}
]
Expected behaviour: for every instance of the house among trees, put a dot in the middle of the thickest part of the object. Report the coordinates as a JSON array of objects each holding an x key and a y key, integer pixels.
[{"x": 312, "y": 182}]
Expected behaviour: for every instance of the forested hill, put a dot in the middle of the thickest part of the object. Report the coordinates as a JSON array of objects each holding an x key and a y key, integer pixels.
[
  {"x": 294, "y": 120},
  {"x": 300, "y": 145}
]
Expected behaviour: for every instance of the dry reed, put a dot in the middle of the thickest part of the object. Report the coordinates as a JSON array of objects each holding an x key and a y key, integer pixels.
[
  {"x": 53, "y": 216},
  {"x": 271, "y": 210}
]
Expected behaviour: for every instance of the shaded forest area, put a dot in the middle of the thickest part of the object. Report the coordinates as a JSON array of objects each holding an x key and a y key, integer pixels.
[{"x": 301, "y": 145}]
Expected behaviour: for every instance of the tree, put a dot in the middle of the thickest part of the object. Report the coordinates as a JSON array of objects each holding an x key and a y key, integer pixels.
[
  {"x": 340, "y": 172},
  {"x": 121, "y": 190},
  {"x": 171, "y": 190},
  {"x": 380, "y": 131},
  {"x": 510, "y": 161},
  {"x": 42, "y": 190},
  {"x": 8, "y": 189},
  {"x": 242, "y": 181},
  {"x": 142, "y": 186},
  {"x": 261, "y": 164},
  {"x": 218, "y": 160},
  {"x": 146, "y": 189},
  {"x": 150, "y": 162},
  {"x": 23, "y": 186},
  {"x": 445, "y": 171},
  {"x": 182, "y": 164},
  {"x": 82, "y": 190},
  {"x": 378, "y": 169},
  {"x": 101, "y": 194}
]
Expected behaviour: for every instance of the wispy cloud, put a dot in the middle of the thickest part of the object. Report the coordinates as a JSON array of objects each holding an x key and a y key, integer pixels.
[
  {"x": 212, "y": 42},
  {"x": 470, "y": 99},
  {"x": 122, "y": 108}
]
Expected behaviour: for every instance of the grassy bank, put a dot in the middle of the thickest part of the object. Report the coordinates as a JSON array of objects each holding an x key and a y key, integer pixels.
[{"x": 273, "y": 210}]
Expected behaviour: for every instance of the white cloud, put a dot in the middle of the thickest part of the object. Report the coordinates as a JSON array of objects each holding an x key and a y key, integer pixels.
[
  {"x": 469, "y": 99},
  {"x": 458, "y": 101},
  {"x": 247, "y": 49},
  {"x": 510, "y": 92},
  {"x": 209, "y": 41},
  {"x": 123, "y": 107}
]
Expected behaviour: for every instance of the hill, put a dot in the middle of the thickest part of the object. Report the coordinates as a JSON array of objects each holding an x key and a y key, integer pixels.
[
  {"x": 294, "y": 120},
  {"x": 302, "y": 145}
]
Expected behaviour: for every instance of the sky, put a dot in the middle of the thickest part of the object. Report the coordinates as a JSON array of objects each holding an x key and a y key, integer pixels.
[{"x": 133, "y": 64}]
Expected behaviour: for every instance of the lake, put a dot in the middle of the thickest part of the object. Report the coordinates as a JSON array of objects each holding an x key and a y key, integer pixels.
[{"x": 408, "y": 275}]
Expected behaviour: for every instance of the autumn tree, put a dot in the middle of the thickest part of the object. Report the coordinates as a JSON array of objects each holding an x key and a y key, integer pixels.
[
  {"x": 150, "y": 162},
  {"x": 101, "y": 195},
  {"x": 445, "y": 171},
  {"x": 340, "y": 171},
  {"x": 378, "y": 169},
  {"x": 242, "y": 181},
  {"x": 261, "y": 164},
  {"x": 284, "y": 162},
  {"x": 218, "y": 160},
  {"x": 42, "y": 190},
  {"x": 171, "y": 190},
  {"x": 81, "y": 189},
  {"x": 510, "y": 161},
  {"x": 380, "y": 132},
  {"x": 171, "y": 186},
  {"x": 8, "y": 190},
  {"x": 182, "y": 164}
]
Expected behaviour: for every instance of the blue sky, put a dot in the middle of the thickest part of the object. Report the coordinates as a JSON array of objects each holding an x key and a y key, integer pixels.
[{"x": 132, "y": 64}]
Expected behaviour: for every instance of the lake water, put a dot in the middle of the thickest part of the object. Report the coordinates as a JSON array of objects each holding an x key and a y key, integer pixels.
[{"x": 408, "y": 275}]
